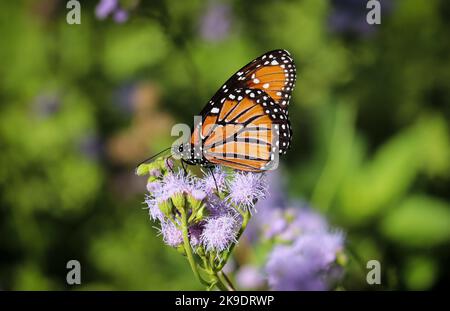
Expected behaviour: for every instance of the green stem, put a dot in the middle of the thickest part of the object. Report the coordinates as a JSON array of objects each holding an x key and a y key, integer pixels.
[
  {"x": 219, "y": 284},
  {"x": 227, "y": 281},
  {"x": 188, "y": 249}
]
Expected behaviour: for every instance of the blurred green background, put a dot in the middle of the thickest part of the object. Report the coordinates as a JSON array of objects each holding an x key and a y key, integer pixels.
[{"x": 80, "y": 105}]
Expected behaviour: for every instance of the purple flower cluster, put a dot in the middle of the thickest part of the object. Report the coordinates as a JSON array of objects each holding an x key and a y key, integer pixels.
[
  {"x": 307, "y": 258},
  {"x": 214, "y": 204},
  {"x": 111, "y": 7},
  {"x": 305, "y": 251}
]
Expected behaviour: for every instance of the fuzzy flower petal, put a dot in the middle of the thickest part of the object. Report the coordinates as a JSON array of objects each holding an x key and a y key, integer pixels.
[
  {"x": 320, "y": 247},
  {"x": 174, "y": 183},
  {"x": 195, "y": 233},
  {"x": 171, "y": 235},
  {"x": 153, "y": 209},
  {"x": 220, "y": 232},
  {"x": 216, "y": 176},
  {"x": 218, "y": 207},
  {"x": 247, "y": 188},
  {"x": 304, "y": 265},
  {"x": 198, "y": 194},
  {"x": 288, "y": 270}
]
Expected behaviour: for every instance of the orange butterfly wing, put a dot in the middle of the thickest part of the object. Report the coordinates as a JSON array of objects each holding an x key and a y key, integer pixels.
[{"x": 246, "y": 132}]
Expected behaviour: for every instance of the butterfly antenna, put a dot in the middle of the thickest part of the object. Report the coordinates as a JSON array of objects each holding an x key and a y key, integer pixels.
[{"x": 152, "y": 157}]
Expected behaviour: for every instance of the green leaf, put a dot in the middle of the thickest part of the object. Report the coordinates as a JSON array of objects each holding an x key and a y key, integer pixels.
[
  {"x": 420, "y": 273},
  {"x": 419, "y": 221}
]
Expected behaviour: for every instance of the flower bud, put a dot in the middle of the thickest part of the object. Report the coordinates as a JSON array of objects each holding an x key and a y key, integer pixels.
[
  {"x": 199, "y": 214},
  {"x": 166, "y": 207},
  {"x": 179, "y": 200},
  {"x": 142, "y": 169}
]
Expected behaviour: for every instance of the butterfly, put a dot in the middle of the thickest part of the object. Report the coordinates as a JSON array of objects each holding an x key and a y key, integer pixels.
[{"x": 245, "y": 125}]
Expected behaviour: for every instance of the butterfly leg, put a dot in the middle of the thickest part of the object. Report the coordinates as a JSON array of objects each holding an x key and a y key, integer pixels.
[
  {"x": 184, "y": 167},
  {"x": 215, "y": 181},
  {"x": 168, "y": 164}
]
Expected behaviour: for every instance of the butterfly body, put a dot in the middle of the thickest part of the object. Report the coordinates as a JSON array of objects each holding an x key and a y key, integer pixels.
[{"x": 245, "y": 125}]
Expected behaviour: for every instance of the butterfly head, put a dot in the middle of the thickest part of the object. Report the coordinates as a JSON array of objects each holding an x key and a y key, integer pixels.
[{"x": 181, "y": 151}]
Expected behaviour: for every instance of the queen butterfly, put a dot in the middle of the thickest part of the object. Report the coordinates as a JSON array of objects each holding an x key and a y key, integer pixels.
[{"x": 245, "y": 124}]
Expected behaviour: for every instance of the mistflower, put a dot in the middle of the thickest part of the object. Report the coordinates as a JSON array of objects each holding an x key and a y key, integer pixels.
[
  {"x": 198, "y": 194},
  {"x": 174, "y": 183},
  {"x": 305, "y": 264},
  {"x": 246, "y": 188},
  {"x": 172, "y": 236},
  {"x": 275, "y": 224},
  {"x": 208, "y": 208},
  {"x": 289, "y": 270},
  {"x": 218, "y": 207},
  {"x": 219, "y": 232},
  {"x": 212, "y": 178},
  {"x": 195, "y": 233},
  {"x": 153, "y": 187},
  {"x": 321, "y": 247},
  {"x": 153, "y": 209},
  {"x": 307, "y": 219}
]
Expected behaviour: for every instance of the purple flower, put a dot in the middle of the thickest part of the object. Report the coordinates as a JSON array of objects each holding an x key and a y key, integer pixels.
[
  {"x": 305, "y": 264},
  {"x": 321, "y": 248},
  {"x": 120, "y": 16},
  {"x": 247, "y": 188},
  {"x": 153, "y": 187},
  {"x": 220, "y": 232},
  {"x": 302, "y": 220},
  {"x": 218, "y": 207},
  {"x": 216, "y": 22},
  {"x": 105, "y": 7},
  {"x": 172, "y": 236},
  {"x": 153, "y": 209},
  {"x": 249, "y": 277},
  {"x": 195, "y": 233},
  {"x": 198, "y": 194},
  {"x": 308, "y": 220},
  {"x": 288, "y": 270},
  {"x": 275, "y": 224},
  {"x": 174, "y": 183},
  {"x": 218, "y": 175}
]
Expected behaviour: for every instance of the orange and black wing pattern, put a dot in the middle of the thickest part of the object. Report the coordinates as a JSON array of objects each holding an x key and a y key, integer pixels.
[
  {"x": 273, "y": 72},
  {"x": 246, "y": 131},
  {"x": 245, "y": 125}
]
